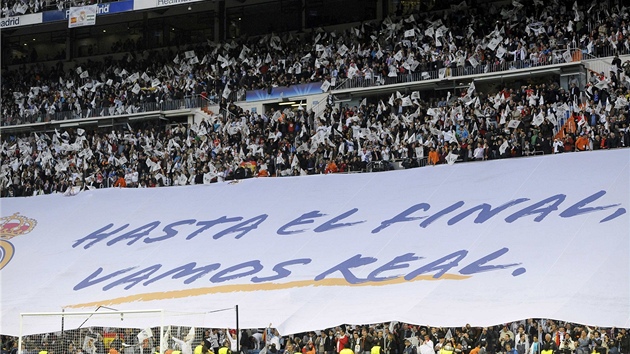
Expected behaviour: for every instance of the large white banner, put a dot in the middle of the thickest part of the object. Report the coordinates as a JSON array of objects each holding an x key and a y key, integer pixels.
[
  {"x": 82, "y": 16},
  {"x": 480, "y": 243}
]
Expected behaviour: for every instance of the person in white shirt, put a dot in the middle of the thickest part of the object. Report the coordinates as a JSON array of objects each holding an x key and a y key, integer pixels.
[
  {"x": 479, "y": 153},
  {"x": 257, "y": 339},
  {"x": 89, "y": 347},
  {"x": 427, "y": 346},
  {"x": 365, "y": 155},
  {"x": 185, "y": 346},
  {"x": 558, "y": 146},
  {"x": 231, "y": 338}
]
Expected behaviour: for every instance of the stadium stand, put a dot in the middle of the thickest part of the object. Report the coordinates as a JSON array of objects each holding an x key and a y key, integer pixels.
[
  {"x": 532, "y": 120},
  {"x": 366, "y": 55},
  {"x": 519, "y": 337},
  {"x": 383, "y": 129}
]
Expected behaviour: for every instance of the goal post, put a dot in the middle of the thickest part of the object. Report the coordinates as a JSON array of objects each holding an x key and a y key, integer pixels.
[
  {"x": 91, "y": 332},
  {"x": 111, "y": 331}
]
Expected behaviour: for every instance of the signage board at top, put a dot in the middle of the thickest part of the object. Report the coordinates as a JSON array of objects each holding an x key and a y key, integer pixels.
[
  {"x": 82, "y": 16},
  {"x": 102, "y": 9}
]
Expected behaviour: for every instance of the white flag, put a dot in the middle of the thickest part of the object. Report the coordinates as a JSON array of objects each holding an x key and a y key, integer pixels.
[
  {"x": 410, "y": 33},
  {"x": 473, "y": 62},
  {"x": 514, "y": 123},
  {"x": 167, "y": 333},
  {"x": 501, "y": 52},
  {"x": 503, "y": 147},
  {"x": 494, "y": 42},
  {"x": 471, "y": 89},
  {"x": 145, "y": 334},
  {"x": 567, "y": 56},
  {"x": 342, "y": 50},
  {"x": 325, "y": 86},
  {"x": 451, "y": 158},
  {"x": 226, "y": 92},
  {"x": 552, "y": 118},
  {"x": 191, "y": 334}
]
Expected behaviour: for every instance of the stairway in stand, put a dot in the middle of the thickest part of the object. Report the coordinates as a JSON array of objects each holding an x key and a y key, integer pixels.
[{"x": 207, "y": 111}]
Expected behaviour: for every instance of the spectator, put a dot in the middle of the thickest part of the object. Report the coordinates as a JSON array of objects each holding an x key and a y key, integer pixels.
[
  {"x": 420, "y": 46},
  {"x": 242, "y": 144}
]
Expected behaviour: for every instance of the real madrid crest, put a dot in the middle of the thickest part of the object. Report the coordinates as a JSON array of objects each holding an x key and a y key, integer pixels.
[{"x": 10, "y": 227}]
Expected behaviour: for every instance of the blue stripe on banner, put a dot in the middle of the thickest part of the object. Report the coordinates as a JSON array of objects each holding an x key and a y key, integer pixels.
[{"x": 280, "y": 92}]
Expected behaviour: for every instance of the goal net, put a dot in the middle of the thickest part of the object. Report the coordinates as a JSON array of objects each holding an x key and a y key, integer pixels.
[{"x": 108, "y": 332}]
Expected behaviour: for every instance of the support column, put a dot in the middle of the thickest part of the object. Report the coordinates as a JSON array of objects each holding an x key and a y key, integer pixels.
[
  {"x": 379, "y": 9},
  {"x": 218, "y": 14},
  {"x": 69, "y": 44},
  {"x": 303, "y": 26}
]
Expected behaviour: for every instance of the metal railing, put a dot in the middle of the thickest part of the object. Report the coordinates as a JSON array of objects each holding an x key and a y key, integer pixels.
[
  {"x": 229, "y": 116},
  {"x": 606, "y": 51},
  {"x": 30, "y": 117},
  {"x": 443, "y": 73},
  {"x": 395, "y": 164}
]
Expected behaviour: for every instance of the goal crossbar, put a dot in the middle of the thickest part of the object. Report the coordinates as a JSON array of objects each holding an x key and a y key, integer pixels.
[{"x": 83, "y": 313}]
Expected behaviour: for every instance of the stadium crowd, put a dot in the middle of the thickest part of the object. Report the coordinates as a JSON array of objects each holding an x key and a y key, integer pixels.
[
  {"x": 534, "y": 119},
  {"x": 520, "y": 337},
  {"x": 408, "y": 130},
  {"x": 463, "y": 40}
]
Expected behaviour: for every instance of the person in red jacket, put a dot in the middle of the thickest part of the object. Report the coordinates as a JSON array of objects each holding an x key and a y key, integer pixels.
[
  {"x": 434, "y": 157},
  {"x": 331, "y": 167},
  {"x": 342, "y": 340},
  {"x": 582, "y": 143},
  {"x": 120, "y": 182}
]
